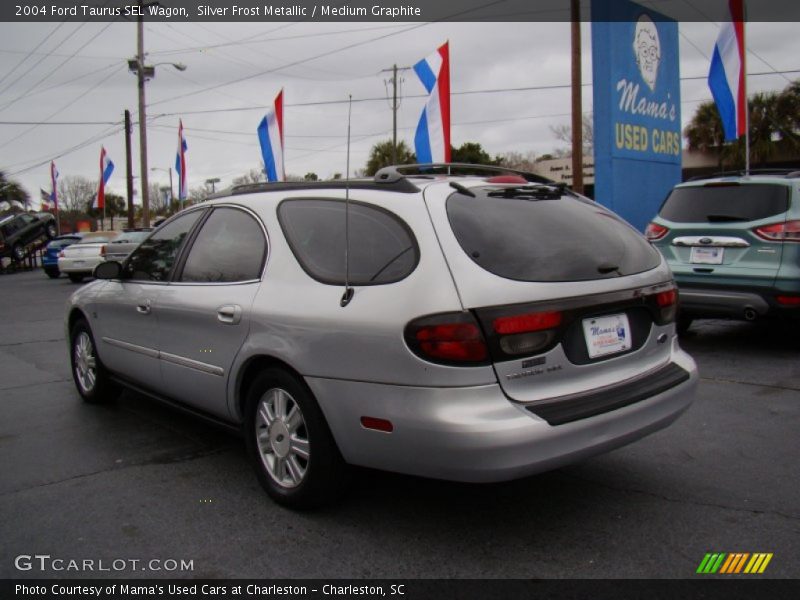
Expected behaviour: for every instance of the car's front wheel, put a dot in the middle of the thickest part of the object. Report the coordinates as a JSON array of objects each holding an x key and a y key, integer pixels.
[
  {"x": 51, "y": 231},
  {"x": 292, "y": 449},
  {"x": 19, "y": 252},
  {"x": 93, "y": 383},
  {"x": 52, "y": 273}
]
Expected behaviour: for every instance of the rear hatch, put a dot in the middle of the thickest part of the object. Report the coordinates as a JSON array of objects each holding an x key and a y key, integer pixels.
[
  {"x": 718, "y": 233},
  {"x": 569, "y": 297}
]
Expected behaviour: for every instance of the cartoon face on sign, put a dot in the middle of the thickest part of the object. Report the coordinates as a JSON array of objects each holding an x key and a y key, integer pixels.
[{"x": 647, "y": 49}]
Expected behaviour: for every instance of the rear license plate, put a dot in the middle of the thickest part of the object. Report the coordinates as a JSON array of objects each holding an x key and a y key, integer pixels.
[
  {"x": 607, "y": 335},
  {"x": 706, "y": 256}
]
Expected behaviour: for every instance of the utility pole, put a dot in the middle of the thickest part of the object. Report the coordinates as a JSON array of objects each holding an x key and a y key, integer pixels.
[
  {"x": 129, "y": 168},
  {"x": 394, "y": 106},
  {"x": 577, "y": 104},
  {"x": 140, "y": 78}
]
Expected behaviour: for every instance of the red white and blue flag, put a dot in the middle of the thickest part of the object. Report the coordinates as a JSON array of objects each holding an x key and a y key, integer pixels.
[
  {"x": 180, "y": 162},
  {"x": 432, "y": 140},
  {"x": 106, "y": 168},
  {"x": 270, "y": 136},
  {"x": 726, "y": 78},
  {"x": 54, "y": 184}
]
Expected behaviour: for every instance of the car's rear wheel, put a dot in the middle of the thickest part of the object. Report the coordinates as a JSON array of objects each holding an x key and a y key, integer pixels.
[
  {"x": 93, "y": 383},
  {"x": 52, "y": 273},
  {"x": 75, "y": 277},
  {"x": 292, "y": 449}
]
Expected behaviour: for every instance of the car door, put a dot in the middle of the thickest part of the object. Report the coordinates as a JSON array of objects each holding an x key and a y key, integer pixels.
[
  {"x": 127, "y": 309},
  {"x": 204, "y": 314}
]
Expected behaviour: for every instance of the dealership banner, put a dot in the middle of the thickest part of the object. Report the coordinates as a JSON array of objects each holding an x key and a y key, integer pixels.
[{"x": 637, "y": 108}]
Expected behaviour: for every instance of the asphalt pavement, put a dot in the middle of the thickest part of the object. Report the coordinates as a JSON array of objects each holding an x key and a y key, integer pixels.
[{"x": 135, "y": 480}]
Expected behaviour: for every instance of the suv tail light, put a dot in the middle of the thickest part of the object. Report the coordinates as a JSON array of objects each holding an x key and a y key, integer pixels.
[
  {"x": 655, "y": 232},
  {"x": 788, "y": 231},
  {"x": 449, "y": 338}
]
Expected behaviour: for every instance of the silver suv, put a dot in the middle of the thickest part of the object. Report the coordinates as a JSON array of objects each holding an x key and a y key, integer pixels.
[{"x": 475, "y": 327}]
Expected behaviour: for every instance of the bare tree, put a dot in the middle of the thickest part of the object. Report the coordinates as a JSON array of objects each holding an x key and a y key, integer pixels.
[
  {"x": 75, "y": 193},
  {"x": 522, "y": 161},
  {"x": 252, "y": 176},
  {"x": 159, "y": 198},
  {"x": 563, "y": 133}
]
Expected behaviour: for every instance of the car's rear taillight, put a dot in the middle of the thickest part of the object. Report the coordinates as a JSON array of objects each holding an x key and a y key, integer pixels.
[
  {"x": 788, "y": 231},
  {"x": 655, "y": 232},
  {"x": 449, "y": 338},
  {"x": 667, "y": 305},
  {"x": 788, "y": 300},
  {"x": 526, "y": 333},
  {"x": 102, "y": 250},
  {"x": 61, "y": 254}
]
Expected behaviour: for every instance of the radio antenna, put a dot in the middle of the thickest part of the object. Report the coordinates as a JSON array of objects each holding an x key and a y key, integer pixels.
[{"x": 348, "y": 291}]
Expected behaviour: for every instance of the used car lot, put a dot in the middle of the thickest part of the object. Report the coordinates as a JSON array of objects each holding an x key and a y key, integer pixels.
[{"x": 135, "y": 479}]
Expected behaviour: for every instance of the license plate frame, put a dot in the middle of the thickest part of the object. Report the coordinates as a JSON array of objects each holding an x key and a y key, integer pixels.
[
  {"x": 706, "y": 255},
  {"x": 607, "y": 335}
]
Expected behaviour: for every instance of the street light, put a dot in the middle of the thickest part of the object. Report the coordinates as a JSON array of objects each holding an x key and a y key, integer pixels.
[
  {"x": 143, "y": 73},
  {"x": 171, "y": 193}
]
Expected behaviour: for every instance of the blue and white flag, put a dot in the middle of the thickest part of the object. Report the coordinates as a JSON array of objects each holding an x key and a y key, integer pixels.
[
  {"x": 432, "y": 140},
  {"x": 106, "y": 168},
  {"x": 270, "y": 136},
  {"x": 726, "y": 77}
]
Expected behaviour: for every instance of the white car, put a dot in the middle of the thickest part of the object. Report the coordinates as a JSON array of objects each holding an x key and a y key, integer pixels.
[{"x": 79, "y": 260}]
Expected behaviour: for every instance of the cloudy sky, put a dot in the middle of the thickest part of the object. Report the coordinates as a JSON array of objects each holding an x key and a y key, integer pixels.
[{"x": 77, "y": 73}]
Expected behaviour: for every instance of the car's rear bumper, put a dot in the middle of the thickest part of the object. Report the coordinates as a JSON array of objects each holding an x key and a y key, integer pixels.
[
  {"x": 78, "y": 265},
  {"x": 746, "y": 303},
  {"x": 476, "y": 434}
]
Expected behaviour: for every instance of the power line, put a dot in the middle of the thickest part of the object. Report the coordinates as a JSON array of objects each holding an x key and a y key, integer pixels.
[
  {"x": 32, "y": 52},
  {"x": 328, "y": 53}
]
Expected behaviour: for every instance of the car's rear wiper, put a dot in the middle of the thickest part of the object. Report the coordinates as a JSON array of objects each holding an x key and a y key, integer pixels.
[{"x": 725, "y": 218}]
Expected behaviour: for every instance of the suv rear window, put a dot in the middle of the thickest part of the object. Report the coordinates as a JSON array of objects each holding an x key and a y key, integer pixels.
[
  {"x": 719, "y": 203},
  {"x": 546, "y": 236},
  {"x": 382, "y": 247}
]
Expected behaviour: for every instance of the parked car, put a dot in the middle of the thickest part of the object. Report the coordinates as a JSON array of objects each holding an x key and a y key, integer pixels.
[
  {"x": 79, "y": 260},
  {"x": 51, "y": 251},
  {"x": 18, "y": 232},
  {"x": 732, "y": 243},
  {"x": 468, "y": 328},
  {"x": 127, "y": 241}
]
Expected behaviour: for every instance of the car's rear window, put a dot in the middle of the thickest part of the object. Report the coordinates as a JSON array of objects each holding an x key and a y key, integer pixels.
[
  {"x": 719, "y": 203},
  {"x": 536, "y": 236},
  {"x": 61, "y": 242}
]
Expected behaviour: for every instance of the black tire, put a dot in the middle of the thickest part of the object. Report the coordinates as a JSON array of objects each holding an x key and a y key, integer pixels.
[
  {"x": 75, "y": 277},
  {"x": 99, "y": 388},
  {"x": 50, "y": 231},
  {"x": 18, "y": 252},
  {"x": 289, "y": 478},
  {"x": 52, "y": 273}
]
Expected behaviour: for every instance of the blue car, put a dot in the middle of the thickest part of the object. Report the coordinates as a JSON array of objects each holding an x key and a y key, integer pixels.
[{"x": 50, "y": 258}]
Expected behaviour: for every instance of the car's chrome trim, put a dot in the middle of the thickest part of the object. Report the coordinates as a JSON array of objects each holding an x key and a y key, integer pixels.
[
  {"x": 192, "y": 364},
  {"x": 167, "y": 357},
  {"x": 719, "y": 241},
  {"x": 150, "y": 352}
]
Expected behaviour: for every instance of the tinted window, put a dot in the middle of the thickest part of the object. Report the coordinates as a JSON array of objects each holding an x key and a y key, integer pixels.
[
  {"x": 229, "y": 247},
  {"x": 26, "y": 219},
  {"x": 546, "y": 237},
  {"x": 719, "y": 203},
  {"x": 153, "y": 259},
  {"x": 62, "y": 242},
  {"x": 382, "y": 247}
]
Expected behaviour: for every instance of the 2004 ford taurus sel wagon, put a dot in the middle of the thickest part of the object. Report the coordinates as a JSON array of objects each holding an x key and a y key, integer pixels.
[{"x": 465, "y": 327}]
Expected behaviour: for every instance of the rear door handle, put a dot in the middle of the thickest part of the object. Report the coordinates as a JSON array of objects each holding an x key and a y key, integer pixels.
[
  {"x": 230, "y": 314},
  {"x": 144, "y": 307}
]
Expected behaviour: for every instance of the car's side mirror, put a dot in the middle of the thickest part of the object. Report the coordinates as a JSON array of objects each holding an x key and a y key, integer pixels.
[{"x": 108, "y": 270}]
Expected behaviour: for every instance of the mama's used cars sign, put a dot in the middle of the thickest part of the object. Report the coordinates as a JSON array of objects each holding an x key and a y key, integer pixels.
[{"x": 637, "y": 120}]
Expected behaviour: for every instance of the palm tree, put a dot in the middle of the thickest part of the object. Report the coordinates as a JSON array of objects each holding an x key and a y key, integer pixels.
[
  {"x": 381, "y": 156},
  {"x": 11, "y": 191}
]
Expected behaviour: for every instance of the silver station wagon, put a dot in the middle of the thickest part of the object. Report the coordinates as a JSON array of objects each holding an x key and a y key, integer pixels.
[{"x": 475, "y": 327}]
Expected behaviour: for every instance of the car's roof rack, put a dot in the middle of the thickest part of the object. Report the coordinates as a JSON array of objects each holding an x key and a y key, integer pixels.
[
  {"x": 786, "y": 172},
  {"x": 396, "y": 173},
  {"x": 402, "y": 186}
]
